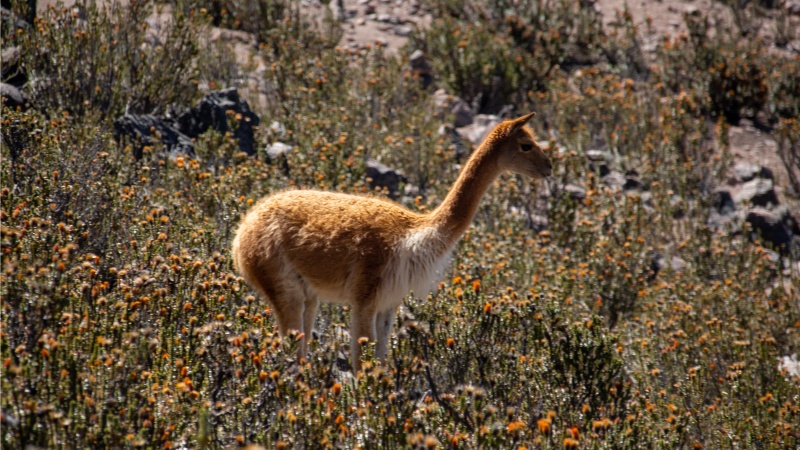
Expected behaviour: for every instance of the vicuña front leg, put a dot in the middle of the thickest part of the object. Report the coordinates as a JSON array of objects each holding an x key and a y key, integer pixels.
[
  {"x": 309, "y": 314},
  {"x": 384, "y": 325},
  {"x": 289, "y": 308},
  {"x": 362, "y": 325}
]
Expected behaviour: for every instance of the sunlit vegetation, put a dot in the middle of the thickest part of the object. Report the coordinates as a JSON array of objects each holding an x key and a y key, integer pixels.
[{"x": 125, "y": 325}]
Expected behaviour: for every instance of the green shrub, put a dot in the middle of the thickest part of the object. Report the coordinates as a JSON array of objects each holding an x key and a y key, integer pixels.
[
  {"x": 110, "y": 61},
  {"x": 492, "y": 55}
]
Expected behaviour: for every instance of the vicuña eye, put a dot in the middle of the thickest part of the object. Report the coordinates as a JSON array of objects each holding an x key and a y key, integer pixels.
[{"x": 526, "y": 147}]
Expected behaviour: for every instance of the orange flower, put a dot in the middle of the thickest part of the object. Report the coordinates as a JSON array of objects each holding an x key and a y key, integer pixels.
[
  {"x": 476, "y": 285},
  {"x": 543, "y": 425}
]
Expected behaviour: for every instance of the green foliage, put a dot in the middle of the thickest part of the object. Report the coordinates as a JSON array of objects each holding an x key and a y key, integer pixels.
[
  {"x": 107, "y": 59},
  {"x": 273, "y": 21},
  {"x": 729, "y": 77},
  {"x": 492, "y": 55}
]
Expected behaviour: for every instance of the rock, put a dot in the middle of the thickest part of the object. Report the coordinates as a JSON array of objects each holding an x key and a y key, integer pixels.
[
  {"x": 278, "y": 149},
  {"x": 756, "y": 192},
  {"x": 403, "y": 30},
  {"x": 614, "y": 179},
  {"x": 481, "y": 126},
  {"x": 790, "y": 364},
  {"x": 337, "y": 10},
  {"x": 728, "y": 222},
  {"x": 381, "y": 176},
  {"x": 447, "y": 130},
  {"x": 369, "y": 8},
  {"x": 277, "y": 129},
  {"x": 792, "y": 7},
  {"x": 575, "y": 192},
  {"x": 211, "y": 112},
  {"x": 13, "y": 98},
  {"x": 450, "y": 104},
  {"x": 659, "y": 262},
  {"x": 12, "y": 72},
  {"x": 677, "y": 204},
  {"x": 538, "y": 222},
  {"x": 421, "y": 67},
  {"x": 774, "y": 226},
  {"x": 277, "y": 152},
  {"x": 388, "y": 18},
  {"x": 723, "y": 201},
  {"x": 418, "y": 60},
  {"x": 227, "y": 35},
  {"x": 599, "y": 161},
  {"x": 632, "y": 182},
  {"x": 7, "y": 419},
  {"x": 145, "y": 129},
  {"x": 744, "y": 171}
]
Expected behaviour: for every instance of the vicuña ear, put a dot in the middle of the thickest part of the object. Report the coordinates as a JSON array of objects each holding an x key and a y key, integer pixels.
[{"x": 520, "y": 122}]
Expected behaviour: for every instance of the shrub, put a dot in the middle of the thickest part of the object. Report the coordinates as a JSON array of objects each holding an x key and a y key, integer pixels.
[
  {"x": 110, "y": 61},
  {"x": 738, "y": 83},
  {"x": 492, "y": 57}
]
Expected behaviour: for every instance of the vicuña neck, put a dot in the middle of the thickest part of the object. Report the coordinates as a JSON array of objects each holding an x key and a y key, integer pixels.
[{"x": 455, "y": 213}]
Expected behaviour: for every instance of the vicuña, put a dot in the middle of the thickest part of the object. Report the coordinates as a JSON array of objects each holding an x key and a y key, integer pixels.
[{"x": 299, "y": 247}]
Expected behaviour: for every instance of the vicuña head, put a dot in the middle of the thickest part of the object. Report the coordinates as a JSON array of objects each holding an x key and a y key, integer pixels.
[{"x": 299, "y": 247}]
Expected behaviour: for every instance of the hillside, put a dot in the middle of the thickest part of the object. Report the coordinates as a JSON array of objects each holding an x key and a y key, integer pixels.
[{"x": 644, "y": 296}]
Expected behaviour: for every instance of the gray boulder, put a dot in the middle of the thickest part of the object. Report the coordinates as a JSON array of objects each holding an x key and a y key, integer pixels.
[
  {"x": 481, "y": 126},
  {"x": 756, "y": 192},
  {"x": 744, "y": 171},
  {"x": 277, "y": 149},
  {"x": 599, "y": 161},
  {"x": 13, "y": 98},
  {"x": 450, "y": 104}
]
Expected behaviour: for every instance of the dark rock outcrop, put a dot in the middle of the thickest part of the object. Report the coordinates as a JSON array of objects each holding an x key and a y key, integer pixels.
[
  {"x": 776, "y": 227},
  {"x": 381, "y": 176},
  {"x": 177, "y": 134},
  {"x": 146, "y": 130},
  {"x": 212, "y": 112}
]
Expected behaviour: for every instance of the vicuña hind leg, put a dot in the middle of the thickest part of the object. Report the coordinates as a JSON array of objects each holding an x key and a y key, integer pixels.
[
  {"x": 384, "y": 325},
  {"x": 362, "y": 324}
]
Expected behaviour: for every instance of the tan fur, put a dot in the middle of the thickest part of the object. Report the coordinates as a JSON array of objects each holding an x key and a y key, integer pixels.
[{"x": 299, "y": 247}]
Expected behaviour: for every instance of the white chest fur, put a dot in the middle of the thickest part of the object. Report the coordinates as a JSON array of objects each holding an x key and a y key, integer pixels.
[{"x": 419, "y": 260}]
